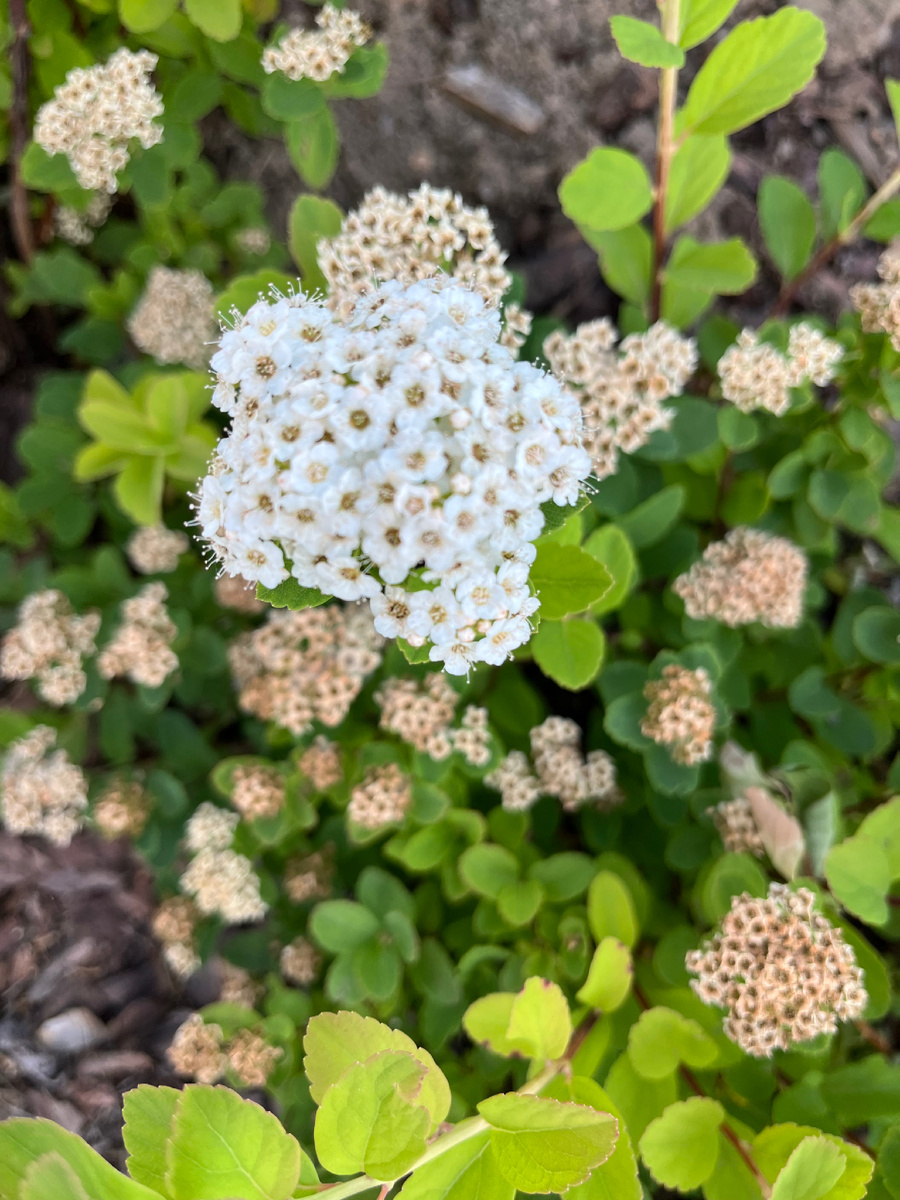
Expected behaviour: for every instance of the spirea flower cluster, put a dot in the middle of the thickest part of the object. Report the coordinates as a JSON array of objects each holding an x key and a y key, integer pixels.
[
  {"x": 402, "y": 447},
  {"x": 737, "y": 827},
  {"x": 122, "y": 809},
  {"x": 749, "y": 576},
  {"x": 77, "y": 228},
  {"x": 221, "y": 881},
  {"x": 410, "y": 238},
  {"x": 48, "y": 644},
  {"x": 140, "y": 649},
  {"x": 621, "y": 391},
  {"x": 755, "y": 375},
  {"x": 680, "y": 715},
  {"x": 236, "y": 593},
  {"x": 257, "y": 791},
  {"x": 174, "y": 321},
  {"x": 41, "y": 791},
  {"x": 780, "y": 969},
  {"x": 310, "y": 877},
  {"x": 155, "y": 550},
  {"x": 200, "y": 1051},
  {"x": 557, "y": 768},
  {"x": 318, "y": 53},
  {"x": 422, "y": 714},
  {"x": 97, "y": 112},
  {"x": 300, "y": 962},
  {"x": 879, "y": 303},
  {"x": 305, "y": 666},
  {"x": 321, "y": 763},
  {"x": 173, "y": 925},
  {"x": 382, "y": 798}
]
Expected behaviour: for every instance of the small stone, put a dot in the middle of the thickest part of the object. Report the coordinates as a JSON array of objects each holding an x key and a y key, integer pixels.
[
  {"x": 115, "y": 1064},
  {"x": 73, "y": 1031}
]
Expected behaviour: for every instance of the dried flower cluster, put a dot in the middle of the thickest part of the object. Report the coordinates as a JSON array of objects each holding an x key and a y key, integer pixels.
[
  {"x": 410, "y": 238},
  {"x": 237, "y": 985},
  {"x": 300, "y": 962},
  {"x": 174, "y": 321},
  {"x": 749, "y": 576},
  {"x": 317, "y": 54},
  {"x": 252, "y": 1058},
  {"x": 140, "y": 649},
  {"x": 756, "y": 375},
  {"x": 155, "y": 550},
  {"x": 736, "y": 825},
  {"x": 622, "y": 391},
  {"x": 41, "y": 791},
  {"x": 309, "y": 877},
  {"x": 383, "y": 798},
  {"x": 48, "y": 644},
  {"x": 473, "y": 737},
  {"x": 122, "y": 809},
  {"x": 419, "y": 712},
  {"x": 77, "y": 228},
  {"x": 221, "y": 881},
  {"x": 407, "y": 440},
  {"x": 97, "y": 112},
  {"x": 782, "y": 972},
  {"x": 559, "y": 769},
  {"x": 232, "y": 591},
  {"x": 879, "y": 303},
  {"x": 680, "y": 715},
  {"x": 257, "y": 791},
  {"x": 254, "y": 240},
  {"x": 305, "y": 666},
  {"x": 196, "y": 1050},
  {"x": 173, "y": 925},
  {"x": 321, "y": 763}
]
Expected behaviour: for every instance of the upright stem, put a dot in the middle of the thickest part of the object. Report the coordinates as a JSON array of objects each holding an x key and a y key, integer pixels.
[
  {"x": 668, "y": 94},
  {"x": 19, "y": 125},
  {"x": 844, "y": 238}
]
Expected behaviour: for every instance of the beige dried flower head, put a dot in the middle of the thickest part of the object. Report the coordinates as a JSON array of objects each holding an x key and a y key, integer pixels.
[
  {"x": 141, "y": 646},
  {"x": 122, "y": 809},
  {"x": 182, "y": 959},
  {"x": 155, "y": 550},
  {"x": 196, "y": 1050},
  {"x": 174, "y": 321},
  {"x": 77, "y": 228},
  {"x": 305, "y": 666},
  {"x": 301, "y": 962},
  {"x": 879, "y": 303},
  {"x": 622, "y": 392},
  {"x": 755, "y": 375},
  {"x": 513, "y": 778},
  {"x": 251, "y": 1058},
  {"x": 238, "y": 985},
  {"x": 737, "y": 828},
  {"x": 419, "y": 712},
  {"x": 781, "y": 971},
  {"x": 224, "y": 884},
  {"x": 473, "y": 738},
  {"x": 257, "y": 791},
  {"x": 309, "y": 877},
  {"x": 173, "y": 924},
  {"x": 565, "y": 773},
  {"x": 210, "y": 828},
  {"x": 750, "y": 576},
  {"x": 409, "y": 238},
  {"x": 321, "y": 763},
  {"x": 680, "y": 715},
  {"x": 253, "y": 240},
  {"x": 96, "y": 113},
  {"x": 317, "y": 54},
  {"x": 233, "y": 591},
  {"x": 41, "y": 791},
  {"x": 48, "y": 645},
  {"x": 381, "y": 799}
]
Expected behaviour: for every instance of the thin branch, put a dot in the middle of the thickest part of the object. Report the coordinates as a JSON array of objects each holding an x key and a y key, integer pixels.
[
  {"x": 665, "y": 148},
  {"x": 18, "y": 121},
  {"x": 828, "y": 251}
]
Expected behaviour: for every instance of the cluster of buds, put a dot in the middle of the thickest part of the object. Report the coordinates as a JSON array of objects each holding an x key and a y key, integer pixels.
[
  {"x": 755, "y": 375},
  {"x": 622, "y": 391},
  {"x": 155, "y": 550},
  {"x": 200, "y": 1051},
  {"x": 680, "y": 715},
  {"x": 422, "y": 714},
  {"x": 557, "y": 768},
  {"x": 122, "y": 809},
  {"x": 41, "y": 791},
  {"x": 781, "y": 971},
  {"x": 321, "y": 763},
  {"x": 317, "y": 54},
  {"x": 879, "y": 303},
  {"x": 174, "y": 321},
  {"x": 48, "y": 645},
  {"x": 237, "y": 986},
  {"x": 77, "y": 228},
  {"x": 737, "y": 827},
  {"x": 309, "y": 876},
  {"x": 300, "y": 962},
  {"x": 221, "y": 881},
  {"x": 382, "y": 798},
  {"x": 173, "y": 926},
  {"x": 257, "y": 791},
  {"x": 141, "y": 648}
]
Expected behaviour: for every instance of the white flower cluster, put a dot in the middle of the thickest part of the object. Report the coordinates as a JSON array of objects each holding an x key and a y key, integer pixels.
[
  {"x": 621, "y": 391},
  {"x": 317, "y": 54},
  {"x": 401, "y": 456},
  {"x": 174, "y": 321},
  {"x": 77, "y": 228},
  {"x": 141, "y": 648},
  {"x": 48, "y": 644},
  {"x": 155, "y": 550},
  {"x": 97, "y": 112},
  {"x": 559, "y": 769},
  {"x": 879, "y": 303},
  {"x": 221, "y": 881},
  {"x": 756, "y": 375},
  {"x": 42, "y": 792}
]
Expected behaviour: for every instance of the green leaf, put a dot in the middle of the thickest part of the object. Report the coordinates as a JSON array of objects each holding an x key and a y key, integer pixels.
[
  {"x": 43, "y": 172},
  {"x": 611, "y": 547},
  {"x": 142, "y": 16},
  {"x": 291, "y": 594},
  {"x": 730, "y": 875},
  {"x": 680, "y": 1148},
  {"x": 569, "y": 652},
  {"x": 699, "y": 168},
  {"x": 651, "y": 520},
  {"x": 363, "y": 76},
  {"x": 313, "y": 144},
  {"x": 487, "y": 1020},
  {"x": 487, "y": 869},
  {"x": 51, "y": 1176},
  {"x": 609, "y": 977},
  {"x": 540, "y": 1024},
  {"x": 287, "y": 99},
  {"x": 139, "y": 487},
  {"x": 788, "y": 224},
  {"x": 371, "y": 1121},
  {"x": 842, "y": 191},
  {"x": 726, "y": 268},
  {"x": 218, "y": 19},
  {"x": 700, "y": 18},
  {"x": 148, "y": 1113},
  {"x": 640, "y": 1100},
  {"x": 643, "y": 43},
  {"x": 617, "y": 1178},
  {"x": 222, "y": 1146},
  {"x": 544, "y": 1145},
  {"x": 567, "y": 580},
  {"x": 626, "y": 261},
  {"x": 859, "y": 874},
  {"x": 756, "y": 69},
  {"x": 563, "y": 876},
  {"x": 811, "y": 1171},
  {"x": 661, "y": 1039},
  {"x": 462, "y": 1173},
  {"x": 312, "y": 218},
  {"x": 341, "y": 925},
  {"x": 773, "y": 1147},
  {"x": 610, "y": 909},
  {"x": 518, "y": 903},
  {"x": 609, "y": 189},
  {"x": 98, "y": 460},
  {"x": 883, "y": 827},
  {"x": 876, "y": 634},
  {"x": 245, "y": 290},
  {"x": 889, "y": 1161}
]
